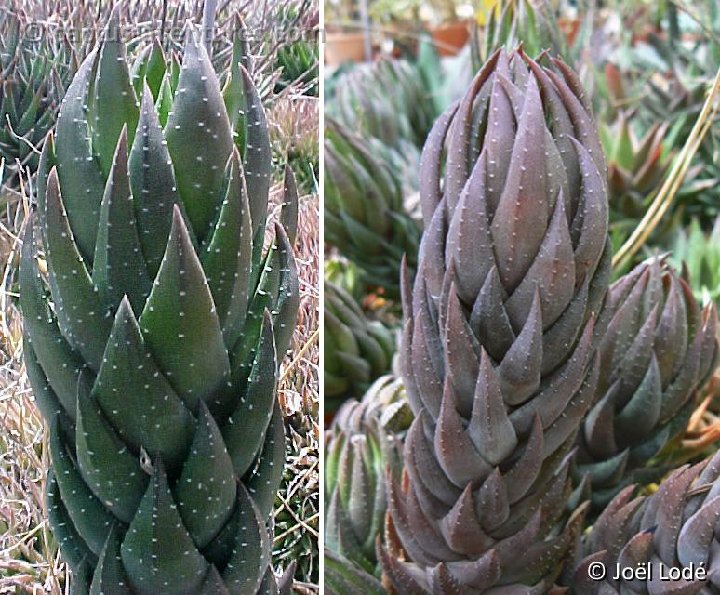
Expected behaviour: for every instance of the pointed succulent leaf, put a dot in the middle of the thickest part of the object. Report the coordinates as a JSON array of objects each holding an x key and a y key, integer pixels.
[
  {"x": 113, "y": 473},
  {"x": 109, "y": 573},
  {"x": 74, "y": 548},
  {"x": 134, "y": 395},
  {"x": 289, "y": 214},
  {"x": 198, "y": 119},
  {"x": 226, "y": 258},
  {"x": 89, "y": 517},
  {"x": 81, "y": 314},
  {"x": 112, "y": 104},
  {"x": 288, "y": 295},
  {"x": 180, "y": 324},
  {"x": 264, "y": 479},
  {"x": 45, "y": 397},
  {"x": 206, "y": 482},
  {"x": 157, "y": 551},
  {"x": 244, "y": 431},
  {"x": 149, "y": 69},
  {"x": 251, "y": 552},
  {"x": 51, "y": 351},
  {"x": 152, "y": 182},
  {"x": 77, "y": 169}
]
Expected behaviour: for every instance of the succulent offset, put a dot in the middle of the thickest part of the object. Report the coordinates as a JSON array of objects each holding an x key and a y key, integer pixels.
[
  {"x": 656, "y": 348},
  {"x": 675, "y": 528},
  {"x": 153, "y": 342},
  {"x": 699, "y": 254},
  {"x": 497, "y": 355},
  {"x": 365, "y": 215},
  {"x": 636, "y": 170},
  {"x": 530, "y": 22},
  {"x": 357, "y": 350},
  {"x": 636, "y": 167},
  {"x": 358, "y": 453}
]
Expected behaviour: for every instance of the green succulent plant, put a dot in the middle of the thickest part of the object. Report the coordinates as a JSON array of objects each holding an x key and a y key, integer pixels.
[
  {"x": 635, "y": 166},
  {"x": 345, "y": 274},
  {"x": 357, "y": 350},
  {"x": 361, "y": 447},
  {"x": 299, "y": 62},
  {"x": 33, "y": 78},
  {"x": 153, "y": 342},
  {"x": 497, "y": 354},
  {"x": 667, "y": 79},
  {"x": 365, "y": 214},
  {"x": 676, "y": 528},
  {"x": 656, "y": 348},
  {"x": 698, "y": 253},
  {"x": 343, "y": 576},
  {"x": 513, "y": 22},
  {"x": 401, "y": 119},
  {"x": 636, "y": 169}
]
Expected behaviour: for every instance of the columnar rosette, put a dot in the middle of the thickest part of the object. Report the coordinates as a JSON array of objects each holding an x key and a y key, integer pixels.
[
  {"x": 365, "y": 215},
  {"x": 665, "y": 543},
  {"x": 153, "y": 346},
  {"x": 656, "y": 350},
  {"x": 497, "y": 353},
  {"x": 358, "y": 452}
]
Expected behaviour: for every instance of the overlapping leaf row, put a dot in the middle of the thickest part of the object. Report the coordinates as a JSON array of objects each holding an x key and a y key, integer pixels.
[
  {"x": 497, "y": 353},
  {"x": 153, "y": 342},
  {"x": 675, "y": 529},
  {"x": 656, "y": 348},
  {"x": 364, "y": 209}
]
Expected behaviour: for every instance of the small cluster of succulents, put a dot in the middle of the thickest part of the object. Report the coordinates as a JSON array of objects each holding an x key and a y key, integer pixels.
[
  {"x": 400, "y": 119},
  {"x": 635, "y": 166},
  {"x": 153, "y": 342},
  {"x": 698, "y": 252},
  {"x": 362, "y": 445},
  {"x": 33, "y": 77}
]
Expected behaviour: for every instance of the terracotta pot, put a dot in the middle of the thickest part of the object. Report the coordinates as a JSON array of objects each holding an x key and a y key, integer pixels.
[
  {"x": 450, "y": 38},
  {"x": 343, "y": 47},
  {"x": 404, "y": 36},
  {"x": 570, "y": 27}
]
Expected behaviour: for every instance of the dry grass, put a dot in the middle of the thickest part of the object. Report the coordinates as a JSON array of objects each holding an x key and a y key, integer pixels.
[
  {"x": 29, "y": 561},
  {"x": 297, "y": 513}
]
